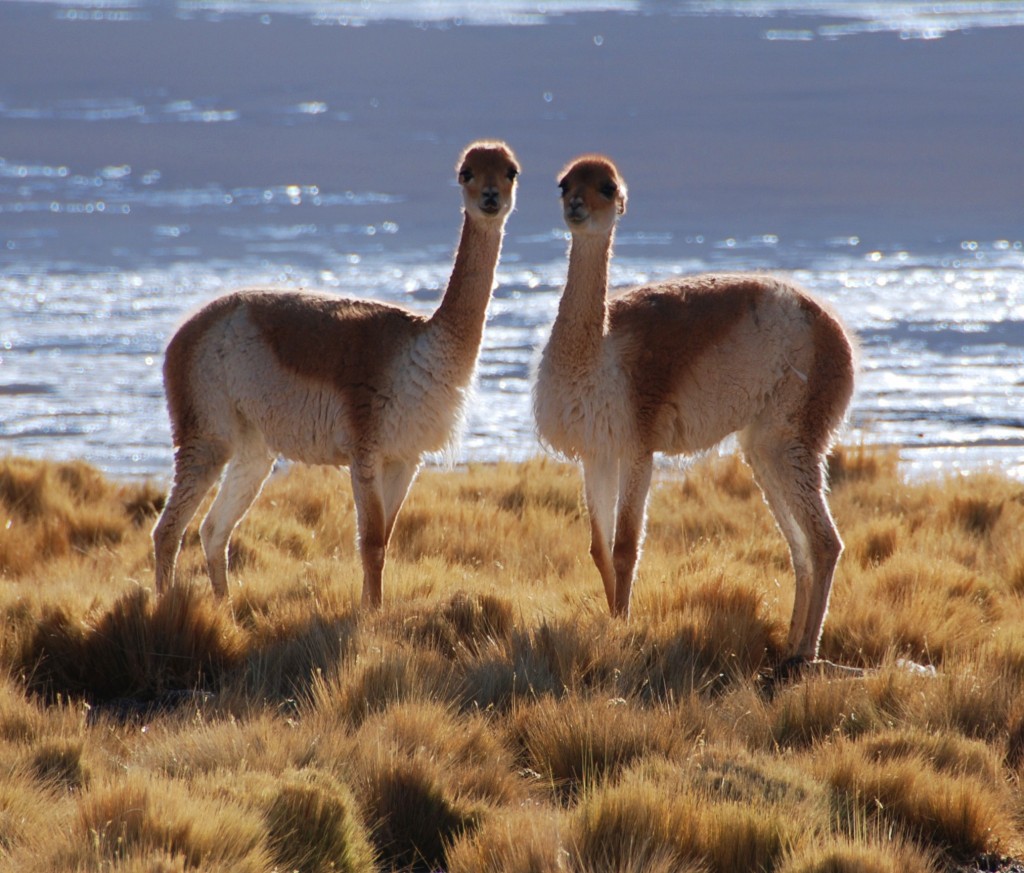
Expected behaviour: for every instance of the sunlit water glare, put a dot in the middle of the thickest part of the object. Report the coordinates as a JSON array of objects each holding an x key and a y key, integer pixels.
[
  {"x": 843, "y": 18},
  {"x": 942, "y": 349}
]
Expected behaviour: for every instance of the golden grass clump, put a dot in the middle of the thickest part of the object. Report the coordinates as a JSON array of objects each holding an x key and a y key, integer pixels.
[
  {"x": 492, "y": 717},
  {"x": 59, "y": 765},
  {"x": 25, "y": 815},
  {"x": 520, "y": 841},
  {"x": 53, "y": 510},
  {"x": 574, "y": 744},
  {"x": 668, "y": 816},
  {"x": 314, "y": 825},
  {"x": 478, "y": 762},
  {"x": 136, "y": 823},
  {"x": 137, "y": 649},
  {"x": 962, "y": 816},
  {"x": 890, "y": 854},
  {"x": 417, "y": 811}
]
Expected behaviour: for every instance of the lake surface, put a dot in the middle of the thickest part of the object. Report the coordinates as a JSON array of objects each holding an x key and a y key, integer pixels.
[{"x": 155, "y": 154}]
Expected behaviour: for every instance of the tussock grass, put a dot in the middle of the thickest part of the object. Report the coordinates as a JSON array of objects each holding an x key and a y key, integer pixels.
[
  {"x": 875, "y": 855},
  {"x": 60, "y": 766},
  {"x": 50, "y": 511},
  {"x": 520, "y": 841},
  {"x": 492, "y": 717},
  {"x": 961, "y": 815},
  {"x": 574, "y": 744},
  {"x": 663, "y": 815},
  {"x": 314, "y": 825},
  {"x": 417, "y": 812},
  {"x": 138, "y": 648}
]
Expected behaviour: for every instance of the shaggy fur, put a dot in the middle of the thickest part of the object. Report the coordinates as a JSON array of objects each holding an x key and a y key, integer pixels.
[
  {"x": 676, "y": 367},
  {"x": 326, "y": 380}
]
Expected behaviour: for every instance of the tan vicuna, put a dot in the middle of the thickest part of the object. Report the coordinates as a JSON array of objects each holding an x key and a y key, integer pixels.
[
  {"x": 677, "y": 366},
  {"x": 326, "y": 380}
]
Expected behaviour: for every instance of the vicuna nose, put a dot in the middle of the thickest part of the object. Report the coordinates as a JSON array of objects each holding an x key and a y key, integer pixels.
[
  {"x": 575, "y": 205},
  {"x": 489, "y": 199}
]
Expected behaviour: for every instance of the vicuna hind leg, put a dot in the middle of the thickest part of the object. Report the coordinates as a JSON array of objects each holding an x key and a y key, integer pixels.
[
  {"x": 827, "y": 546},
  {"x": 196, "y": 468},
  {"x": 242, "y": 484},
  {"x": 792, "y": 480}
]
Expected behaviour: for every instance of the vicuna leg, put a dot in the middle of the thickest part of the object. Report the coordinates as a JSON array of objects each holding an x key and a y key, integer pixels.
[
  {"x": 397, "y": 478},
  {"x": 826, "y": 547},
  {"x": 196, "y": 468},
  {"x": 774, "y": 489},
  {"x": 242, "y": 484},
  {"x": 379, "y": 491},
  {"x": 599, "y": 485},
  {"x": 634, "y": 485},
  {"x": 371, "y": 523},
  {"x": 792, "y": 479}
]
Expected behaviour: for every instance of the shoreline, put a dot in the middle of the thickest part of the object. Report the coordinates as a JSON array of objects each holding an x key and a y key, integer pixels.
[{"x": 916, "y": 464}]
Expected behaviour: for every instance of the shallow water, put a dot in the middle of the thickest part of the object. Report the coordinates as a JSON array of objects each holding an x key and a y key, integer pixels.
[{"x": 153, "y": 155}]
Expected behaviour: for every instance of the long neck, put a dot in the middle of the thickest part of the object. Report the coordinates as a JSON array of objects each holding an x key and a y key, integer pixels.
[
  {"x": 581, "y": 323},
  {"x": 462, "y": 311}
]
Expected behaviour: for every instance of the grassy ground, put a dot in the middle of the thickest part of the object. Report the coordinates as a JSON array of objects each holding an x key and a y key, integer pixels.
[{"x": 492, "y": 717}]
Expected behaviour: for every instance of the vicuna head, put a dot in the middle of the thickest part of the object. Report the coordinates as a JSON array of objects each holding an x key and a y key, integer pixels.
[
  {"x": 487, "y": 174},
  {"x": 593, "y": 195}
]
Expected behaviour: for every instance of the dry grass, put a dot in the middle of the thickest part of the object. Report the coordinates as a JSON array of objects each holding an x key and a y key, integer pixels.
[{"x": 492, "y": 717}]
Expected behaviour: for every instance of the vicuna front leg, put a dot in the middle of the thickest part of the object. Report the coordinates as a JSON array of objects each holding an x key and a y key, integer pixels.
[
  {"x": 379, "y": 490},
  {"x": 616, "y": 493},
  {"x": 599, "y": 487}
]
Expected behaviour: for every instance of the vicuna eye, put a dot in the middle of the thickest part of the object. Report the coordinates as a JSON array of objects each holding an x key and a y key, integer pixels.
[
  {"x": 563, "y": 186},
  {"x": 512, "y": 173},
  {"x": 465, "y": 175},
  {"x": 608, "y": 189}
]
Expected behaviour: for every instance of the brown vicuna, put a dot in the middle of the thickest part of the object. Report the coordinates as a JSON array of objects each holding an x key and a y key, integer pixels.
[
  {"x": 677, "y": 366},
  {"x": 327, "y": 380}
]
